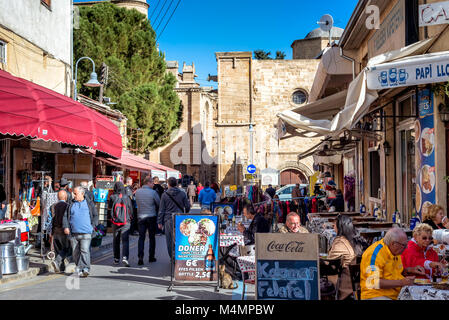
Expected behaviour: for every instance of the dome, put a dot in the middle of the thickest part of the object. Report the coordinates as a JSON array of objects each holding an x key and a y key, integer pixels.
[{"x": 318, "y": 33}]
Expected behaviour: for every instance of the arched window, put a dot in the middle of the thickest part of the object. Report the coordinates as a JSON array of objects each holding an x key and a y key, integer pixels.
[{"x": 299, "y": 97}]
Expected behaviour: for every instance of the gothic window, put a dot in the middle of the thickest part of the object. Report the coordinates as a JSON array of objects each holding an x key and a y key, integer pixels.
[{"x": 299, "y": 97}]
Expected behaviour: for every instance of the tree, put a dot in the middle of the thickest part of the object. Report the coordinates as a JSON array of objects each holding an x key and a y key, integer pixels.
[
  {"x": 262, "y": 55},
  {"x": 280, "y": 55},
  {"x": 137, "y": 81}
]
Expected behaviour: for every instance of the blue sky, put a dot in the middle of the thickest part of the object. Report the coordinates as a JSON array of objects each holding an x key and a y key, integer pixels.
[{"x": 199, "y": 28}]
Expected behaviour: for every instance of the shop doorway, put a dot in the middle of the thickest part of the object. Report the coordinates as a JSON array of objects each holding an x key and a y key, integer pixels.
[
  {"x": 292, "y": 176},
  {"x": 407, "y": 170}
]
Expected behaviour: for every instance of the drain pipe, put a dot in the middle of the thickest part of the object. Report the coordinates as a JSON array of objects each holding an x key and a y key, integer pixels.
[{"x": 350, "y": 59}]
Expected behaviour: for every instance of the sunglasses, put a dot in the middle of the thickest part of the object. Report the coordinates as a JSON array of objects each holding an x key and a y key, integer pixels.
[{"x": 427, "y": 238}]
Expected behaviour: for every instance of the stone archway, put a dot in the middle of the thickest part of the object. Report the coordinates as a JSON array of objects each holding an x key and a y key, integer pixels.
[{"x": 293, "y": 173}]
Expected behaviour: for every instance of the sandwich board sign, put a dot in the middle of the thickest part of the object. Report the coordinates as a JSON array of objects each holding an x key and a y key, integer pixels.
[{"x": 287, "y": 266}]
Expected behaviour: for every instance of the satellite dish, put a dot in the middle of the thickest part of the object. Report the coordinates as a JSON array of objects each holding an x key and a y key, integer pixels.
[{"x": 326, "y": 22}]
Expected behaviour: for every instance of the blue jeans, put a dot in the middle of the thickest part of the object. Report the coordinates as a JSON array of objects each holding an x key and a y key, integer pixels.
[{"x": 81, "y": 250}]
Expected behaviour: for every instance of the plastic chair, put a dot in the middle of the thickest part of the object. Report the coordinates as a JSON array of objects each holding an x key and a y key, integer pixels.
[
  {"x": 331, "y": 267},
  {"x": 354, "y": 272}
]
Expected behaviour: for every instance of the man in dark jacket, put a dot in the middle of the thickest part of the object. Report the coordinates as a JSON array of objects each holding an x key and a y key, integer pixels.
[
  {"x": 271, "y": 191},
  {"x": 258, "y": 225},
  {"x": 148, "y": 203},
  {"x": 79, "y": 221},
  {"x": 61, "y": 242},
  {"x": 173, "y": 201},
  {"x": 64, "y": 183},
  {"x": 121, "y": 232},
  {"x": 157, "y": 187}
]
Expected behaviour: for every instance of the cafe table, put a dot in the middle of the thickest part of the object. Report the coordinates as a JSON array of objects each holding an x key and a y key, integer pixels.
[{"x": 423, "y": 292}]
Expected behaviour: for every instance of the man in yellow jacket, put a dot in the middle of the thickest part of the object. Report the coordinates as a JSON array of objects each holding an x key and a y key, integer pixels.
[{"x": 381, "y": 271}]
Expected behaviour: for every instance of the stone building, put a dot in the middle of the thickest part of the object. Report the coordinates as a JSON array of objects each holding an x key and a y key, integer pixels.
[
  {"x": 35, "y": 42},
  {"x": 315, "y": 41},
  {"x": 140, "y": 5},
  {"x": 193, "y": 146}
]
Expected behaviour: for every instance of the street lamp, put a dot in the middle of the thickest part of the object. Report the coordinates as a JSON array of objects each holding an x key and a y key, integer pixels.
[
  {"x": 444, "y": 112},
  {"x": 93, "y": 81}
]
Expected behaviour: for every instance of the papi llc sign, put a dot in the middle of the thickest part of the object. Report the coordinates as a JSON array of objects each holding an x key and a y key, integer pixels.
[{"x": 423, "y": 70}]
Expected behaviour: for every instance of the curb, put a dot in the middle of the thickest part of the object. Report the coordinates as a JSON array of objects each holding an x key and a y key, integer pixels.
[{"x": 34, "y": 270}]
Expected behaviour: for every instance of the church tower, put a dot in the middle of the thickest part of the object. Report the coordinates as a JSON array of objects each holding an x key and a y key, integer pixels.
[{"x": 140, "y": 5}]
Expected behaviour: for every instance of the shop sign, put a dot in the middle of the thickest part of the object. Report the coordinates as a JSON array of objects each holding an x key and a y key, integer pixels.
[
  {"x": 250, "y": 176},
  {"x": 287, "y": 267},
  {"x": 391, "y": 34},
  {"x": 419, "y": 70},
  {"x": 434, "y": 14},
  {"x": 158, "y": 173},
  {"x": 270, "y": 176},
  {"x": 196, "y": 248},
  {"x": 104, "y": 182},
  {"x": 425, "y": 153}
]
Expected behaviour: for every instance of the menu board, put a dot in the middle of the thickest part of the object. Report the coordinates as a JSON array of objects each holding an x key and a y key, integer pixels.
[
  {"x": 196, "y": 248},
  {"x": 425, "y": 153},
  {"x": 287, "y": 267}
]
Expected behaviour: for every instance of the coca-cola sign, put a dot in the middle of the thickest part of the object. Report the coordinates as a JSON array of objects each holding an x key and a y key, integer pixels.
[{"x": 291, "y": 246}]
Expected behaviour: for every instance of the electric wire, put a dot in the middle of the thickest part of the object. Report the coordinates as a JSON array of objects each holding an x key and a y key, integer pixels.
[
  {"x": 162, "y": 19},
  {"x": 155, "y": 8},
  {"x": 160, "y": 11},
  {"x": 168, "y": 20}
]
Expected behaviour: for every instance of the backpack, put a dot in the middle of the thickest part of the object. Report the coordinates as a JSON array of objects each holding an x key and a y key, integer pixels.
[{"x": 120, "y": 212}]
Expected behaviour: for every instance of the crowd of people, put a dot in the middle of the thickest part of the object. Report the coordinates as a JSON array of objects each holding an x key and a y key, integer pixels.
[{"x": 385, "y": 266}]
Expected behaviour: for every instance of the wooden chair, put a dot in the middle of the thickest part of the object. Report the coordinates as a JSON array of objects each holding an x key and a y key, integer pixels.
[
  {"x": 354, "y": 272},
  {"x": 331, "y": 267}
]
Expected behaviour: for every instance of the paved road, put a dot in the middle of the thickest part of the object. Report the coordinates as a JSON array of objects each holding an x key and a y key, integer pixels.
[{"x": 107, "y": 281}]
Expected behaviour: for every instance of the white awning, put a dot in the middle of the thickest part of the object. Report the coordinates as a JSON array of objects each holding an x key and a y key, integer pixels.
[
  {"x": 416, "y": 70},
  {"x": 358, "y": 100},
  {"x": 360, "y": 95}
]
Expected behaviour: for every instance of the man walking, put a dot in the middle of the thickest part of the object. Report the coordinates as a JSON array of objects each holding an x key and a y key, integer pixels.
[
  {"x": 191, "y": 192},
  {"x": 89, "y": 195},
  {"x": 148, "y": 202},
  {"x": 271, "y": 191},
  {"x": 172, "y": 201},
  {"x": 207, "y": 197},
  {"x": 121, "y": 213},
  {"x": 64, "y": 183},
  {"x": 79, "y": 221},
  {"x": 61, "y": 242}
]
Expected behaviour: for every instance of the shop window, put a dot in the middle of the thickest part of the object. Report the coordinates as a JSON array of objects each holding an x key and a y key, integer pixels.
[
  {"x": 2, "y": 52},
  {"x": 407, "y": 108},
  {"x": 374, "y": 174},
  {"x": 299, "y": 97},
  {"x": 46, "y": 3}
]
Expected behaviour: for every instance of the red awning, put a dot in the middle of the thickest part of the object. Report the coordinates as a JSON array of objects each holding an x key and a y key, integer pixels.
[{"x": 30, "y": 110}]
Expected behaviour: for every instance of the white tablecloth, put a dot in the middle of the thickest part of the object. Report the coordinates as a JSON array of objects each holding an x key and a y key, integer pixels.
[
  {"x": 423, "y": 293},
  {"x": 247, "y": 264}
]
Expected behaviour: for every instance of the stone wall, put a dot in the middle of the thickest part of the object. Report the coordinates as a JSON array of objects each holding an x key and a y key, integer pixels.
[{"x": 258, "y": 90}]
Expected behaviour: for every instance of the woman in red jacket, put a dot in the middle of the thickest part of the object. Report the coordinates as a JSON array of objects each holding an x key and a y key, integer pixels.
[{"x": 420, "y": 253}]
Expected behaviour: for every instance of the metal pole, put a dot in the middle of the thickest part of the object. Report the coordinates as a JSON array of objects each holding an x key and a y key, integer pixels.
[{"x": 76, "y": 74}]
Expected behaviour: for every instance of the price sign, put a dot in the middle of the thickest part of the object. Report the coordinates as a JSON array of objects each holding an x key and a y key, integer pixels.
[{"x": 196, "y": 248}]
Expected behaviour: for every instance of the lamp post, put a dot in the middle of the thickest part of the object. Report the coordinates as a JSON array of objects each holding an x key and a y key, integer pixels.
[{"x": 93, "y": 81}]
